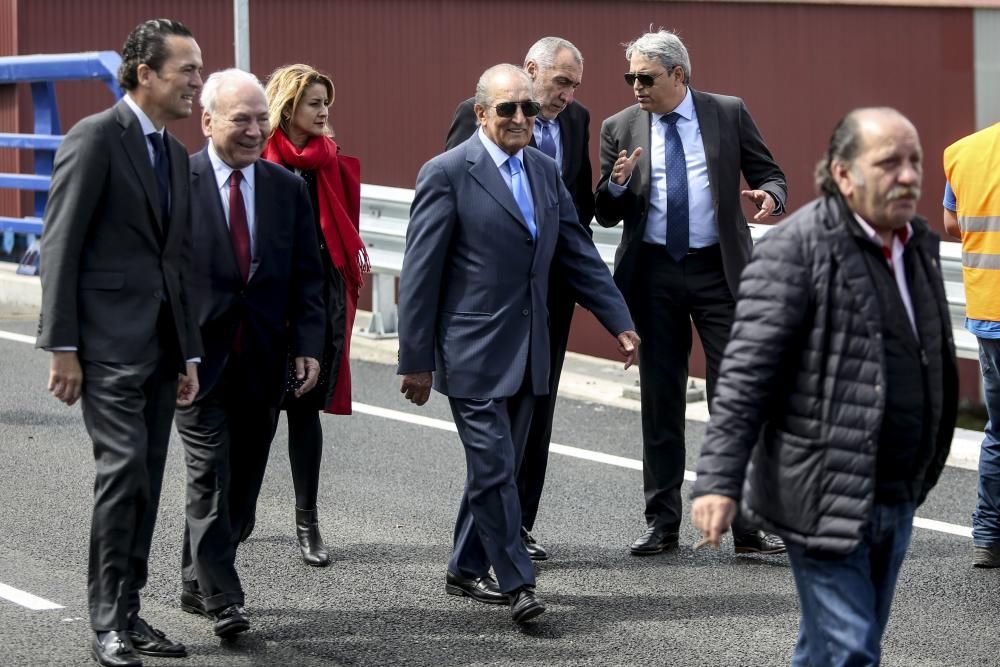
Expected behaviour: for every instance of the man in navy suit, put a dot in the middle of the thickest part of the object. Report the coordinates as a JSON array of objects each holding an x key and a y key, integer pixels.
[
  {"x": 489, "y": 219},
  {"x": 259, "y": 281},
  {"x": 561, "y": 130}
]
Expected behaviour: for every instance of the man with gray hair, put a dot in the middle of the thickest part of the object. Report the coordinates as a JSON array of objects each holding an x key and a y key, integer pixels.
[
  {"x": 489, "y": 220},
  {"x": 837, "y": 396},
  {"x": 670, "y": 172},
  {"x": 257, "y": 267},
  {"x": 561, "y": 130}
]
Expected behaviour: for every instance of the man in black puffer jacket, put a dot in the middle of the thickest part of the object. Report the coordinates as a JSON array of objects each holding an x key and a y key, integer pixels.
[{"x": 836, "y": 400}]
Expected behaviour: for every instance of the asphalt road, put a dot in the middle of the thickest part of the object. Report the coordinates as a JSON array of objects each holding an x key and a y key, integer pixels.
[{"x": 390, "y": 490}]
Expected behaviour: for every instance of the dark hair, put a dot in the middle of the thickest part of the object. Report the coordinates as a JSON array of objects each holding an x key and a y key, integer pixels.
[{"x": 147, "y": 45}]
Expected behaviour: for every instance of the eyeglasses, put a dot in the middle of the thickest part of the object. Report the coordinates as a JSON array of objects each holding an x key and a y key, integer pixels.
[
  {"x": 529, "y": 108},
  {"x": 645, "y": 80}
]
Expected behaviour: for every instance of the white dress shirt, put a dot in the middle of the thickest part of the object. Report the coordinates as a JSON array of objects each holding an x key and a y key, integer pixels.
[
  {"x": 222, "y": 172},
  {"x": 898, "y": 266}
]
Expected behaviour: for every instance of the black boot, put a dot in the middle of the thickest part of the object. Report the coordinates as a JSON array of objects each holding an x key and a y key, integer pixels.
[{"x": 307, "y": 529}]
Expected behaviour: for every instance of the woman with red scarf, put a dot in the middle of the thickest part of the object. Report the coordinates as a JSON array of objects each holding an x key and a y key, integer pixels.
[{"x": 299, "y": 99}]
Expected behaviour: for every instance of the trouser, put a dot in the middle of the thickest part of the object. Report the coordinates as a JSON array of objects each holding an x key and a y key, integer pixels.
[
  {"x": 488, "y": 526},
  {"x": 227, "y": 438},
  {"x": 127, "y": 410},
  {"x": 667, "y": 297},
  {"x": 845, "y": 600},
  {"x": 986, "y": 517}
]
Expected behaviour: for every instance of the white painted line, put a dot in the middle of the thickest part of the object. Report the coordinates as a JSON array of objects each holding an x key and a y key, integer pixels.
[
  {"x": 609, "y": 459},
  {"x": 28, "y": 600},
  {"x": 565, "y": 450},
  {"x": 18, "y": 338}
]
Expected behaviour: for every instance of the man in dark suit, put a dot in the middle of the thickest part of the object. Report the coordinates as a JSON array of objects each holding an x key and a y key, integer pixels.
[
  {"x": 562, "y": 131},
  {"x": 488, "y": 220},
  {"x": 258, "y": 275},
  {"x": 670, "y": 169},
  {"x": 116, "y": 315}
]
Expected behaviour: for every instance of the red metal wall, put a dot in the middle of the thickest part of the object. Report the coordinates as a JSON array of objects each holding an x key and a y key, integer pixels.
[{"x": 401, "y": 66}]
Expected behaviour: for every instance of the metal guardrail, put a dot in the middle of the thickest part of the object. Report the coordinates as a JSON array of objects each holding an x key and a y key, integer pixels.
[{"x": 385, "y": 213}]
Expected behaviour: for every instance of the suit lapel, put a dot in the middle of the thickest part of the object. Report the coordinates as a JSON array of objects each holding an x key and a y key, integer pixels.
[
  {"x": 205, "y": 192},
  {"x": 708, "y": 120},
  {"x": 535, "y": 173},
  {"x": 137, "y": 151},
  {"x": 485, "y": 171},
  {"x": 178, "y": 177},
  {"x": 261, "y": 190}
]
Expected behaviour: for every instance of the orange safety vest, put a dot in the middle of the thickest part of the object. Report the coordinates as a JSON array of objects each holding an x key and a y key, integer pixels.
[{"x": 972, "y": 165}]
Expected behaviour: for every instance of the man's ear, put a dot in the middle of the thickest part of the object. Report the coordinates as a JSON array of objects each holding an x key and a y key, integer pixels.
[
  {"x": 841, "y": 172},
  {"x": 480, "y": 111},
  {"x": 531, "y": 67}
]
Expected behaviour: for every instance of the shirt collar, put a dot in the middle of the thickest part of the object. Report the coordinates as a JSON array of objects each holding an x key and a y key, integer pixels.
[
  {"x": 903, "y": 233},
  {"x": 498, "y": 154},
  {"x": 144, "y": 122},
  {"x": 685, "y": 109},
  {"x": 223, "y": 170}
]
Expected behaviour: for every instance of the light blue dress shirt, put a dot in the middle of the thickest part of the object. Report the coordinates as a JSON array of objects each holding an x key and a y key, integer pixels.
[
  {"x": 500, "y": 158},
  {"x": 556, "y": 138}
]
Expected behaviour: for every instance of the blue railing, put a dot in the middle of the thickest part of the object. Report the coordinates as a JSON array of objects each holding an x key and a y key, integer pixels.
[{"x": 42, "y": 71}]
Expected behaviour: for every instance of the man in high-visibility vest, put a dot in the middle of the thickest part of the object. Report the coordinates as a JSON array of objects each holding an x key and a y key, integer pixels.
[{"x": 972, "y": 214}]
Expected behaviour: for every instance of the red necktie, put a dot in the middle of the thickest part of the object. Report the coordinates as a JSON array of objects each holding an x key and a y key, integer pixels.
[{"x": 239, "y": 231}]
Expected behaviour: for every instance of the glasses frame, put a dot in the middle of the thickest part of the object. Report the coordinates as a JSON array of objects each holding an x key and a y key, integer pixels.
[
  {"x": 646, "y": 80},
  {"x": 530, "y": 108}
]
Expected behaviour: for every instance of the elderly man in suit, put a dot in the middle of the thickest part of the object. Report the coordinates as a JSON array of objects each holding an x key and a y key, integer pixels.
[
  {"x": 561, "y": 131},
  {"x": 489, "y": 219},
  {"x": 259, "y": 278},
  {"x": 116, "y": 315},
  {"x": 670, "y": 170}
]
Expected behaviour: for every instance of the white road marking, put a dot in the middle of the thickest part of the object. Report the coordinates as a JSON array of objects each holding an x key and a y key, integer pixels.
[
  {"x": 36, "y": 603},
  {"x": 25, "y": 599}
]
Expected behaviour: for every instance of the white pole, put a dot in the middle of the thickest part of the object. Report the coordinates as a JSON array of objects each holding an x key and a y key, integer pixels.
[{"x": 241, "y": 33}]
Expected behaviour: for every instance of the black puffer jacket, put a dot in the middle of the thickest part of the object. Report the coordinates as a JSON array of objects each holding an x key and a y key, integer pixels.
[{"x": 800, "y": 393}]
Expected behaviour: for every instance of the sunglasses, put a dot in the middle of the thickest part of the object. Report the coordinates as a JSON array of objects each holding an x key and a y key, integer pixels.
[
  {"x": 645, "y": 80},
  {"x": 528, "y": 107}
]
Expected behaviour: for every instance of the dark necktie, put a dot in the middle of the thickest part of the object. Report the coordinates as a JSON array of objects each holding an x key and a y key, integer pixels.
[
  {"x": 547, "y": 145},
  {"x": 677, "y": 190},
  {"x": 239, "y": 230},
  {"x": 161, "y": 167}
]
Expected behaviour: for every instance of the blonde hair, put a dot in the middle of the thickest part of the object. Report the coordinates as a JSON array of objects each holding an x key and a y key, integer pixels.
[{"x": 285, "y": 88}]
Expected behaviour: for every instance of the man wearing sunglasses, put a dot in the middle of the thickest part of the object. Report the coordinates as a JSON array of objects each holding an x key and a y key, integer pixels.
[
  {"x": 489, "y": 219},
  {"x": 561, "y": 131},
  {"x": 670, "y": 172}
]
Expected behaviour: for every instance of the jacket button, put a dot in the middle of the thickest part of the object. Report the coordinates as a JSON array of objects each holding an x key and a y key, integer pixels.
[
  {"x": 525, "y": 312},
  {"x": 528, "y": 240},
  {"x": 878, "y": 389},
  {"x": 157, "y": 294}
]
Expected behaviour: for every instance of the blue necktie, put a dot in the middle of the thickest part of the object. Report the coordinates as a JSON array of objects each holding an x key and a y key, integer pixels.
[
  {"x": 677, "y": 191},
  {"x": 520, "y": 189},
  {"x": 547, "y": 145},
  {"x": 161, "y": 167}
]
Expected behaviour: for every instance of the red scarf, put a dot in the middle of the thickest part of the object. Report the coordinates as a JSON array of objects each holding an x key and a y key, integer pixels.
[{"x": 338, "y": 188}]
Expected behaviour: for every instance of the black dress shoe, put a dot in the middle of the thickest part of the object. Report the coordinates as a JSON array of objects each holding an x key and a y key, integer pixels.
[
  {"x": 653, "y": 541},
  {"x": 114, "y": 650},
  {"x": 193, "y": 602},
  {"x": 307, "y": 530},
  {"x": 524, "y": 605},
  {"x": 535, "y": 550},
  {"x": 147, "y": 640},
  {"x": 484, "y": 589},
  {"x": 758, "y": 542},
  {"x": 231, "y": 621}
]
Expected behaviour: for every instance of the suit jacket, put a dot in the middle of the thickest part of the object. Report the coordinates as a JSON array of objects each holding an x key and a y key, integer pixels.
[
  {"x": 574, "y": 135},
  {"x": 108, "y": 260},
  {"x": 473, "y": 288},
  {"x": 733, "y": 145},
  {"x": 280, "y": 309}
]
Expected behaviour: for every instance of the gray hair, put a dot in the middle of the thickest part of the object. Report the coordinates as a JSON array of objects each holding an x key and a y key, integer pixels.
[
  {"x": 664, "y": 46},
  {"x": 222, "y": 78},
  {"x": 545, "y": 50},
  {"x": 483, "y": 98},
  {"x": 846, "y": 144}
]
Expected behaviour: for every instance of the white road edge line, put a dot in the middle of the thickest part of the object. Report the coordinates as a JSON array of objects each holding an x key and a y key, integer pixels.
[
  {"x": 25, "y": 599},
  {"x": 609, "y": 459}
]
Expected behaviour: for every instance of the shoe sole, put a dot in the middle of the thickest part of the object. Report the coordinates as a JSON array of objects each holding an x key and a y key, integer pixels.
[
  {"x": 161, "y": 654},
  {"x": 452, "y": 589},
  {"x": 653, "y": 552},
  {"x": 98, "y": 660},
  {"x": 986, "y": 566},
  {"x": 538, "y": 558},
  {"x": 762, "y": 552},
  {"x": 529, "y": 613}
]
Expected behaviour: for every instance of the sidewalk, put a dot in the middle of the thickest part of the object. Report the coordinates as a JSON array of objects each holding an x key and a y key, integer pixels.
[{"x": 583, "y": 378}]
